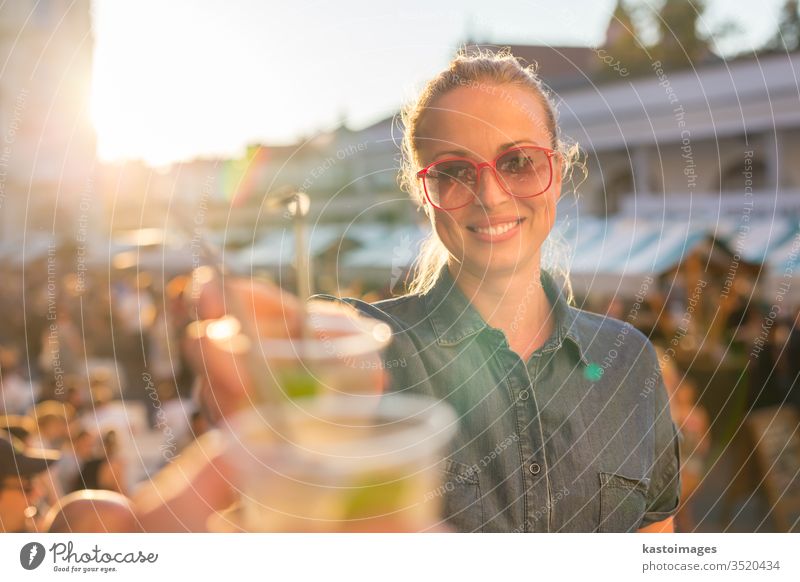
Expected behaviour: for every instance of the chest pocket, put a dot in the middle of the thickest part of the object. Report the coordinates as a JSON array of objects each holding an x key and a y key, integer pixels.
[
  {"x": 623, "y": 501},
  {"x": 461, "y": 497}
]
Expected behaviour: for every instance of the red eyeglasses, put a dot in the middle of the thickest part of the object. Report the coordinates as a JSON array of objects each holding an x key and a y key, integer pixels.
[{"x": 522, "y": 172}]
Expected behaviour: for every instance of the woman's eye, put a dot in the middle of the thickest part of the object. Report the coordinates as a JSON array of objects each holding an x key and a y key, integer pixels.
[
  {"x": 517, "y": 163},
  {"x": 455, "y": 173}
]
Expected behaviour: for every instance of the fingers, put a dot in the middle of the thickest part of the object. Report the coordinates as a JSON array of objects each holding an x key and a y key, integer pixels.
[
  {"x": 220, "y": 362},
  {"x": 218, "y": 345},
  {"x": 215, "y": 345},
  {"x": 273, "y": 309}
]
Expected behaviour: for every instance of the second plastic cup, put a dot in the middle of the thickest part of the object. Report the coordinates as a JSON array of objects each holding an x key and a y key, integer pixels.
[{"x": 341, "y": 463}]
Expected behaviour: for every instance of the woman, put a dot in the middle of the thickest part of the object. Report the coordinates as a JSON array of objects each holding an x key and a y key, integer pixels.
[
  {"x": 564, "y": 418},
  {"x": 103, "y": 471}
]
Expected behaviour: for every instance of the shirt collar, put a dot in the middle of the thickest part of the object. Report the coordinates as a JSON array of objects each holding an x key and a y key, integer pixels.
[{"x": 454, "y": 319}]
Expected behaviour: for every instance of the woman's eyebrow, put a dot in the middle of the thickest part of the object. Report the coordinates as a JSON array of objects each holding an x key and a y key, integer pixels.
[
  {"x": 459, "y": 153},
  {"x": 501, "y": 148},
  {"x": 518, "y": 142}
]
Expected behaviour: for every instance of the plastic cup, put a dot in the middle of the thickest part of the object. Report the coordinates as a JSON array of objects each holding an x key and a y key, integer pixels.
[
  {"x": 340, "y": 353},
  {"x": 353, "y": 463}
]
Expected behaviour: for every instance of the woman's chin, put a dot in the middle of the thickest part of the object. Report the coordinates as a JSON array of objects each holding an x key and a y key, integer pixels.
[{"x": 496, "y": 265}]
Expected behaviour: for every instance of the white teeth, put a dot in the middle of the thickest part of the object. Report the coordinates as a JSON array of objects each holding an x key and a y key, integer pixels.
[{"x": 497, "y": 229}]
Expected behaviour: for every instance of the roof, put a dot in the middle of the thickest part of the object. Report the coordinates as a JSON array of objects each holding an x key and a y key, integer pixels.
[
  {"x": 558, "y": 66},
  {"x": 714, "y": 101}
]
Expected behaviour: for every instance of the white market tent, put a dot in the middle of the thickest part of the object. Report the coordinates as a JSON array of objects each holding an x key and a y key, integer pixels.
[
  {"x": 276, "y": 249},
  {"x": 374, "y": 249},
  {"x": 616, "y": 255}
]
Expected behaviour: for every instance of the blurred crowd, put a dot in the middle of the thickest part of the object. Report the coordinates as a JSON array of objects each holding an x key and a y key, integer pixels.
[
  {"x": 96, "y": 373},
  {"x": 96, "y": 376},
  {"x": 726, "y": 388}
]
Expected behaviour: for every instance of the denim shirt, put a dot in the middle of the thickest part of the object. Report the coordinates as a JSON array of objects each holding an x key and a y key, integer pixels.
[{"x": 577, "y": 439}]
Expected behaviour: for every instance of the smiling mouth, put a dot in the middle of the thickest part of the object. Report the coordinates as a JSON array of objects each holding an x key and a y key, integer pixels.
[{"x": 496, "y": 229}]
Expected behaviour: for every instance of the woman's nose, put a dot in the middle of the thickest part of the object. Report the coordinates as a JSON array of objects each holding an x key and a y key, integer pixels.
[{"x": 489, "y": 191}]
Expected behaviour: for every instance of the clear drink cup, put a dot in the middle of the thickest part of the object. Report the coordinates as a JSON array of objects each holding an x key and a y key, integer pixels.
[
  {"x": 340, "y": 463},
  {"x": 339, "y": 353}
]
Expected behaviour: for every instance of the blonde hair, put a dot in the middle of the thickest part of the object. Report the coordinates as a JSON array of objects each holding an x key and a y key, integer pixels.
[{"x": 477, "y": 68}]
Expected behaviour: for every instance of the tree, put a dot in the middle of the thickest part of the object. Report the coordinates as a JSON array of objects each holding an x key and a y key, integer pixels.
[
  {"x": 675, "y": 39},
  {"x": 623, "y": 45},
  {"x": 680, "y": 45},
  {"x": 787, "y": 37}
]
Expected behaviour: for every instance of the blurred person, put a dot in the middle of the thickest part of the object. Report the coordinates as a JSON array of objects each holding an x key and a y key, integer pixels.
[
  {"x": 170, "y": 413},
  {"x": 163, "y": 360},
  {"x": 104, "y": 470},
  {"x": 76, "y": 396},
  {"x": 98, "y": 414},
  {"x": 757, "y": 336},
  {"x": 79, "y": 450},
  {"x": 10, "y": 287},
  {"x": 133, "y": 312},
  {"x": 735, "y": 311},
  {"x": 103, "y": 376},
  {"x": 178, "y": 298},
  {"x": 106, "y": 413},
  {"x": 52, "y": 423},
  {"x": 53, "y": 420},
  {"x": 97, "y": 323},
  {"x": 50, "y": 388},
  {"x": 651, "y": 318},
  {"x": 19, "y": 426},
  {"x": 793, "y": 357},
  {"x": 694, "y": 425},
  {"x": 786, "y": 348},
  {"x": 62, "y": 346},
  {"x": 775, "y": 367},
  {"x": 21, "y": 469},
  {"x": 17, "y": 394}
]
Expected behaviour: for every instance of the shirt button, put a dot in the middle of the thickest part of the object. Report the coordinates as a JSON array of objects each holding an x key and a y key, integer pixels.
[
  {"x": 524, "y": 395},
  {"x": 534, "y": 468}
]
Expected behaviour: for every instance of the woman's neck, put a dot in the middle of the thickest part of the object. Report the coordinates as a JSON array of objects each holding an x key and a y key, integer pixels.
[{"x": 513, "y": 302}]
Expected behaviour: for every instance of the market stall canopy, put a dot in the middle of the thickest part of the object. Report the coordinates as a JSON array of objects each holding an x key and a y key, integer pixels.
[
  {"x": 276, "y": 249},
  {"x": 387, "y": 248},
  {"x": 374, "y": 244},
  {"x": 146, "y": 249},
  {"x": 615, "y": 255}
]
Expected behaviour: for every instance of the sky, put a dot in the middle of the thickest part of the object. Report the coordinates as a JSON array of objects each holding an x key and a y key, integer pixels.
[{"x": 199, "y": 78}]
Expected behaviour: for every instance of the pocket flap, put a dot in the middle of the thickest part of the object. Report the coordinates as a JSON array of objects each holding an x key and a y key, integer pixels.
[
  {"x": 617, "y": 480},
  {"x": 465, "y": 473}
]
